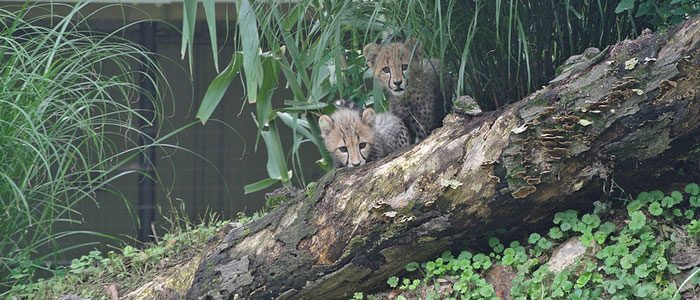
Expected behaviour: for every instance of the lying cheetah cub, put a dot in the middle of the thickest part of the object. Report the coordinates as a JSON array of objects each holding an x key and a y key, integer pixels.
[
  {"x": 412, "y": 85},
  {"x": 354, "y": 140}
]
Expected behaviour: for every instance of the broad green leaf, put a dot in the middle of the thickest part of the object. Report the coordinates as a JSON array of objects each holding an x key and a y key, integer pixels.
[
  {"x": 276, "y": 162},
  {"x": 218, "y": 88},
  {"x": 533, "y": 238},
  {"x": 298, "y": 105},
  {"x": 624, "y": 5},
  {"x": 412, "y": 266},
  {"x": 637, "y": 220},
  {"x": 267, "y": 87},
  {"x": 555, "y": 233},
  {"x": 210, "y": 13},
  {"x": 655, "y": 209},
  {"x": 393, "y": 281},
  {"x": 692, "y": 189},
  {"x": 641, "y": 271},
  {"x": 260, "y": 185},
  {"x": 252, "y": 66}
]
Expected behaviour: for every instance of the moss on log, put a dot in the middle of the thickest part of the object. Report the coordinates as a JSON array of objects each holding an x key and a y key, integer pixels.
[{"x": 631, "y": 114}]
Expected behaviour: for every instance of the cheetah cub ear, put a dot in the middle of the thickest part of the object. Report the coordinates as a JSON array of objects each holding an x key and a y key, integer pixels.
[
  {"x": 412, "y": 43},
  {"x": 370, "y": 51},
  {"x": 368, "y": 116},
  {"x": 326, "y": 124}
]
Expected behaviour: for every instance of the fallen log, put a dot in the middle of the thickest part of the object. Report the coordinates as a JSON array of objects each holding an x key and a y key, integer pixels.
[{"x": 630, "y": 114}]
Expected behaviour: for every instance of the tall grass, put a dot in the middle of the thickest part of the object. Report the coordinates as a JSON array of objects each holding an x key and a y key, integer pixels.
[
  {"x": 498, "y": 52},
  {"x": 69, "y": 123}
]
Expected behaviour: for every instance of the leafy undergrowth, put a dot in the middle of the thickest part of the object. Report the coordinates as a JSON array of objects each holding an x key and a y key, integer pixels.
[
  {"x": 649, "y": 248},
  {"x": 88, "y": 275},
  {"x": 128, "y": 269}
]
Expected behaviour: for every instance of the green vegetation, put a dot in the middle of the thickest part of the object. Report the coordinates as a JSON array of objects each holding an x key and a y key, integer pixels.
[
  {"x": 628, "y": 254},
  {"x": 315, "y": 45},
  {"x": 128, "y": 267},
  {"x": 68, "y": 126}
]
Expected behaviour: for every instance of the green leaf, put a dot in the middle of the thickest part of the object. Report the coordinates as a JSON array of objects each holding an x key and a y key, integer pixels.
[
  {"x": 189, "y": 20},
  {"x": 587, "y": 238},
  {"x": 258, "y": 186},
  {"x": 634, "y": 205},
  {"x": 677, "y": 212},
  {"x": 624, "y": 5},
  {"x": 694, "y": 201},
  {"x": 644, "y": 197},
  {"x": 393, "y": 281},
  {"x": 248, "y": 30},
  {"x": 677, "y": 196},
  {"x": 583, "y": 279},
  {"x": 644, "y": 9},
  {"x": 641, "y": 271},
  {"x": 210, "y": 13},
  {"x": 464, "y": 255},
  {"x": 627, "y": 261},
  {"x": 218, "y": 87},
  {"x": 592, "y": 220},
  {"x": 565, "y": 226},
  {"x": 304, "y": 106},
  {"x": 276, "y": 163},
  {"x": 637, "y": 220},
  {"x": 656, "y": 195},
  {"x": 692, "y": 189},
  {"x": 533, "y": 238},
  {"x": 655, "y": 209},
  {"x": 644, "y": 290},
  {"x": 667, "y": 202},
  {"x": 555, "y": 233},
  {"x": 412, "y": 266}
]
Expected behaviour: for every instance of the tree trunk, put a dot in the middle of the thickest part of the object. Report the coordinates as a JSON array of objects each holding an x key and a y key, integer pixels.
[{"x": 632, "y": 113}]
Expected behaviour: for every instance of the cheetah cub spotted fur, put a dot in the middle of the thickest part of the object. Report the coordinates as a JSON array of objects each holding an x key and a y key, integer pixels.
[
  {"x": 354, "y": 139},
  {"x": 412, "y": 85}
]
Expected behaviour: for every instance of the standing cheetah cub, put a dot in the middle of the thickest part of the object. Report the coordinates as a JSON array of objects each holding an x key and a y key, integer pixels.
[
  {"x": 412, "y": 85},
  {"x": 354, "y": 140}
]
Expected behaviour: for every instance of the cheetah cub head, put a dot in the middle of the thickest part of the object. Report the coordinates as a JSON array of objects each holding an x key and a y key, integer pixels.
[
  {"x": 390, "y": 63},
  {"x": 348, "y": 136}
]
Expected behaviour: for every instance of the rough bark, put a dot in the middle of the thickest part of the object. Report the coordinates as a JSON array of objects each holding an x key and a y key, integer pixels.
[{"x": 613, "y": 119}]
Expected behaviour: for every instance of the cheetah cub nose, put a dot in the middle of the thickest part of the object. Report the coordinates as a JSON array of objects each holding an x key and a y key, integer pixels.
[{"x": 398, "y": 82}]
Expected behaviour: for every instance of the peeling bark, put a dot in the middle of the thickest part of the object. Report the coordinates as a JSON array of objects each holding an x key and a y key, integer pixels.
[{"x": 500, "y": 169}]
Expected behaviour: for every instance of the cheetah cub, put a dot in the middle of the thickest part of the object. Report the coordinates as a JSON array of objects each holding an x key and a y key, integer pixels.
[
  {"x": 412, "y": 85},
  {"x": 354, "y": 139}
]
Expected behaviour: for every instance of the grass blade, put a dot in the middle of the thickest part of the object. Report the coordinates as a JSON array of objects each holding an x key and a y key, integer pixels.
[
  {"x": 189, "y": 20},
  {"x": 210, "y": 13}
]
